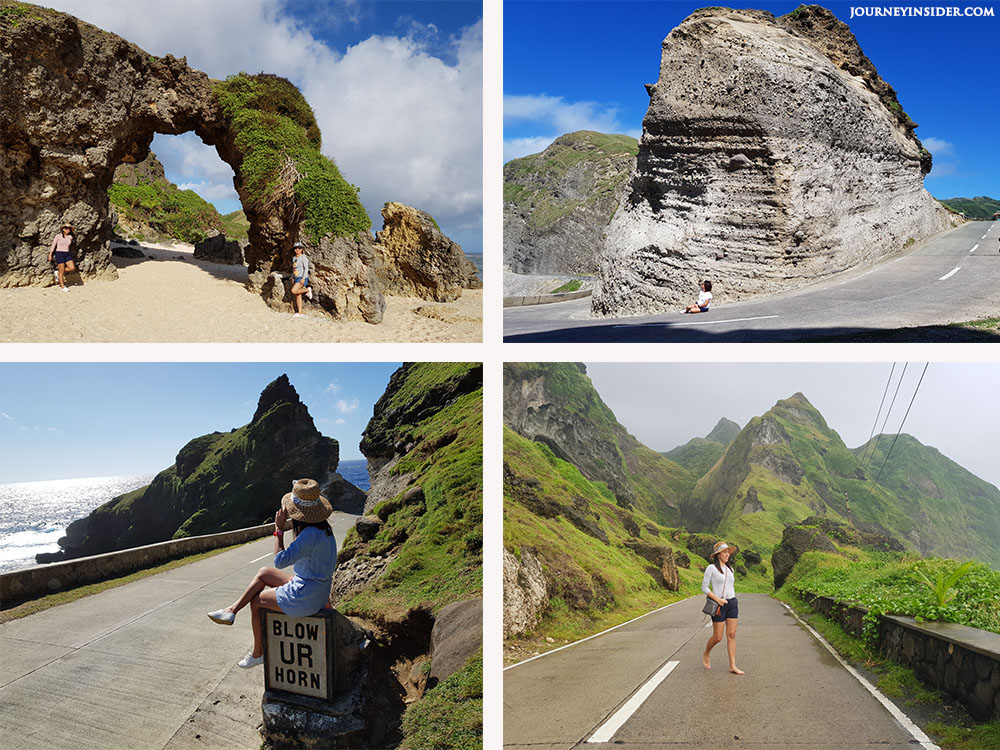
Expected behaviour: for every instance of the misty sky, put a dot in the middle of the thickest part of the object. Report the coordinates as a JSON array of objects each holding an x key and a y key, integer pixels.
[{"x": 957, "y": 409}]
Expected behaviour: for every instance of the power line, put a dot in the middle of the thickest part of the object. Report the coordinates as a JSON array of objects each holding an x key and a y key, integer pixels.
[
  {"x": 891, "y": 404},
  {"x": 868, "y": 445},
  {"x": 889, "y": 452}
]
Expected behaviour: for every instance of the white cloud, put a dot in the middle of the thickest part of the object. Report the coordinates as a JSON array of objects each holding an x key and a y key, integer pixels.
[
  {"x": 401, "y": 123},
  {"x": 346, "y": 407},
  {"x": 942, "y": 169},
  {"x": 333, "y": 388},
  {"x": 938, "y": 146},
  {"x": 5, "y": 415},
  {"x": 339, "y": 420},
  {"x": 211, "y": 191},
  {"x": 553, "y": 116}
]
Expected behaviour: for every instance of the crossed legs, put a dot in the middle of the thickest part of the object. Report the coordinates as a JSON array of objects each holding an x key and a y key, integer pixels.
[{"x": 260, "y": 594}]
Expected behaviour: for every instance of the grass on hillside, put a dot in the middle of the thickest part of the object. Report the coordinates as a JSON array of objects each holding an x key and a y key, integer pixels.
[
  {"x": 570, "y": 286},
  {"x": 934, "y": 712},
  {"x": 279, "y": 141},
  {"x": 449, "y": 716},
  {"x": 180, "y": 214},
  {"x": 236, "y": 225},
  {"x": 65, "y": 597}
]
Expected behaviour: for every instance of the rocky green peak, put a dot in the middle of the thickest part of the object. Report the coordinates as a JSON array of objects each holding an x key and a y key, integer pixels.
[
  {"x": 797, "y": 408},
  {"x": 724, "y": 432},
  {"x": 277, "y": 391}
]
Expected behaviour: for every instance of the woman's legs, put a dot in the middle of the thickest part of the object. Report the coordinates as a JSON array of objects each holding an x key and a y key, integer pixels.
[
  {"x": 266, "y": 577},
  {"x": 62, "y": 275},
  {"x": 731, "y": 625},
  {"x": 297, "y": 291},
  {"x": 266, "y": 599},
  {"x": 716, "y": 637}
]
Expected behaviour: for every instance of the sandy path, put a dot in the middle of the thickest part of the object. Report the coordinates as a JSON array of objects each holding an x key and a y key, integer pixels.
[{"x": 169, "y": 297}]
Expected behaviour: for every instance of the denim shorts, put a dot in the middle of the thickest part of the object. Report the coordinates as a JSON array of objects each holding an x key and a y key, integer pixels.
[
  {"x": 303, "y": 280},
  {"x": 704, "y": 309},
  {"x": 731, "y": 611},
  {"x": 62, "y": 257}
]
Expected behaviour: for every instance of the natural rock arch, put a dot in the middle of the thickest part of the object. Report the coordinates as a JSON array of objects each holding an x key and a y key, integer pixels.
[{"x": 78, "y": 101}]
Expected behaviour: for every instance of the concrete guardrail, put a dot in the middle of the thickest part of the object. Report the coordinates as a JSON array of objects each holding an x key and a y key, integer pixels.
[
  {"x": 545, "y": 299},
  {"x": 31, "y": 583},
  {"x": 962, "y": 661}
]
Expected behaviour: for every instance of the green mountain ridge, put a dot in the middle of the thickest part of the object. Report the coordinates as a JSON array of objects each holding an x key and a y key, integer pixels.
[
  {"x": 698, "y": 455},
  {"x": 980, "y": 208}
]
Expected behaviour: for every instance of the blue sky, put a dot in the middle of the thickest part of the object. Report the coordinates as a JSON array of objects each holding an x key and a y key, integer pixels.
[
  {"x": 70, "y": 420},
  {"x": 582, "y": 65},
  {"x": 396, "y": 88}
]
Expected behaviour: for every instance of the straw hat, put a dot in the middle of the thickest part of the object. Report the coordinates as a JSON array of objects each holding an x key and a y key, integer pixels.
[
  {"x": 722, "y": 547},
  {"x": 66, "y": 226},
  {"x": 304, "y": 503}
]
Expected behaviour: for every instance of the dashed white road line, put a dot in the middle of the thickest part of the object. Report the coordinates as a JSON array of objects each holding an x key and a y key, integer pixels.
[
  {"x": 951, "y": 273},
  {"x": 623, "y": 714},
  {"x": 903, "y": 719},
  {"x": 261, "y": 558},
  {"x": 974, "y": 248}
]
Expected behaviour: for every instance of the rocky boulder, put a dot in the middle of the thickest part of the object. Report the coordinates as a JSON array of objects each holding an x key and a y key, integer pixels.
[
  {"x": 415, "y": 259},
  {"x": 217, "y": 249},
  {"x": 558, "y": 203},
  {"x": 525, "y": 592},
  {"x": 457, "y": 635},
  {"x": 795, "y": 542},
  {"x": 772, "y": 155}
]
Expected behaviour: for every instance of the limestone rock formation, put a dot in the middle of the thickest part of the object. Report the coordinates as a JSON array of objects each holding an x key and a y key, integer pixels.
[
  {"x": 416, "y": 259},
  {"x": 772, "y": 155},
  {"x": 218, "y": 249},
  {"x": 525, "y": 592},
  {"x": 219, "y": 482},
  {"x": 77, "y": 102},
  {"x": 558, "y": 203}
]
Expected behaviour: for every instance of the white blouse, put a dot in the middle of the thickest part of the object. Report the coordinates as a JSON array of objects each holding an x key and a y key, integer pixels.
[{"x": 719, "y": 582}]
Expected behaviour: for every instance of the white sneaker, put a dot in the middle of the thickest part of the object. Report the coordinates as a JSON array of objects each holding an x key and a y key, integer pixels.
[
  {"x": 249, "y": 661},
  {"x": 64, "y": 289},
  {"x": 296, "y": 315},
  {"x": 222, "y": 617},
  {"x": 309, "y": 293}
]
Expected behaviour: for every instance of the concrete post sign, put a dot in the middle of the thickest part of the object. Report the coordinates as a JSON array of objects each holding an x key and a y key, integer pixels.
[{"x": 298, "y": 654}]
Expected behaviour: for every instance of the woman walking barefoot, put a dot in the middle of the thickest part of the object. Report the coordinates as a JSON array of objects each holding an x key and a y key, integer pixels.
[
  {"x": 60, "y": 249},
  {"x": 718, "y": 586},
  {"x": 314, "y": 555}
]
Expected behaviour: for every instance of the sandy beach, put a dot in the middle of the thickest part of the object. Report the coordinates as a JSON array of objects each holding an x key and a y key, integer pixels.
[{"x": 169, "y": 297}]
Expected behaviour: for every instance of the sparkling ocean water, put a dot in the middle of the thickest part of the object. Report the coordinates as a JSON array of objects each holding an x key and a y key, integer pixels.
[{"x": 34, "y": 515}]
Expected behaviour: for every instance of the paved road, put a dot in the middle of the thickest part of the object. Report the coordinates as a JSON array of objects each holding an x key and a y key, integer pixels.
[
  {"x": 139, "y": 665},
  {"x": 794, "y": 693},
  {"x": 952, "y": 277}
]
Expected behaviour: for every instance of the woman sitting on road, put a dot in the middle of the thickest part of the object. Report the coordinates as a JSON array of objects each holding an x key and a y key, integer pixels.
[
  {"x": 704, "y": 299},
  {"x": 314, "y": 554},
  {"x": 718, "y": 586}
]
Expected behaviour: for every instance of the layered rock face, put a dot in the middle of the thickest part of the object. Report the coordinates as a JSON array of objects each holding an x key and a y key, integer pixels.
[
  {"x": 219, "y": 482},
  {"x": 77, "y": 102},
  {"x": 558, "y": 203},
  {"x": 772, "y": 155},
  {"x": 416, "y": 259}
]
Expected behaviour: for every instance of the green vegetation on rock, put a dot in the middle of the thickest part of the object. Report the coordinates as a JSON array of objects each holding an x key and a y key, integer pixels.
[
  {"x": 279, "y": 141},
  {"x": 449, "y": 716},
  {"x": 179, "y": 214},
  {"x": 236, "y": 226},
  {"x": 980, "y": 208}
]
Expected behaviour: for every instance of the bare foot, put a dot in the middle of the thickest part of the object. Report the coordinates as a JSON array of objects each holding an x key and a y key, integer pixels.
[
  {"x": 736, "y": 670},
  {"x": 705, "y": 662}
]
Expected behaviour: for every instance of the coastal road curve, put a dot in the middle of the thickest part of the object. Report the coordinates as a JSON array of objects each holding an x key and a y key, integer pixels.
[
  {"x": 642, "y": 685},
  {"x": 952, "y": 277},
  {"x": 139, "y": 665}
]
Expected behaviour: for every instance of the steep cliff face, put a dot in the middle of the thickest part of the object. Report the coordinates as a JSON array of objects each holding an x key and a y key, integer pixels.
[
  {"x": 421, "y": 543},
  {"x": 558, "y": 203},
  {"x": 416, "y": 259},
  {"x": 772, "y": 155},
  {"x": 556, "y": 404},
  {"x": 78, "y": 101},
  {"x": 219, "y": 481}
]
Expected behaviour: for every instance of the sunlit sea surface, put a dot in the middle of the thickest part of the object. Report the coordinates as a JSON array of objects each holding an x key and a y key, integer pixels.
[{"x": 34, "y": 515}]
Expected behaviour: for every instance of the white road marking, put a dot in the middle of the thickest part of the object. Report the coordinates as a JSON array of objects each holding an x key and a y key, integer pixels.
[
  {"x": 582, "y": 640},
  {"x": 903, "y": 719},
  {"x": 951, "y": 273},
  {"x": 623, "y": 714},
  {"x": 261, "y": 558},
  {"x": 974, "y": 248},
  {"x": 984, "y": 236}
]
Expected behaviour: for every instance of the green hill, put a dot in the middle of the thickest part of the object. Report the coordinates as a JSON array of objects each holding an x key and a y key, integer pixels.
[
  {"x": 555, "y": 403},
  {"x": 151, "y": 208},
  {"x": 698, "y": 455},
  {"x": 980, "y": 208},
  {"x": 235, "y": 225}
]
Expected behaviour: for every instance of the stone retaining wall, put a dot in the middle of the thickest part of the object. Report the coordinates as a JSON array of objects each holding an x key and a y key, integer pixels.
[
  {"x": 31, "y": 583},
  {"x": 961, "y": 661},
  {"x": 545, "y": 299}
]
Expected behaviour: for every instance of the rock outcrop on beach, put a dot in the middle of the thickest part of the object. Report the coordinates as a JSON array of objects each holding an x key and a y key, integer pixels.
[
  {"x": 558, "y": 203},
  {"x": 772, "y": 155},
  {"x": 78, "y": 101},
  {"x": 556, "y": 404},
  {"x": 416, "y": 259},
  {"x": 219, "y": 249},
  {"x": 219, "y": 482}
]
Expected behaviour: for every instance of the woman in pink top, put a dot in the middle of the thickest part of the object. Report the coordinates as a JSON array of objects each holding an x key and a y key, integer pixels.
[{"x": 60, "y": 249}]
